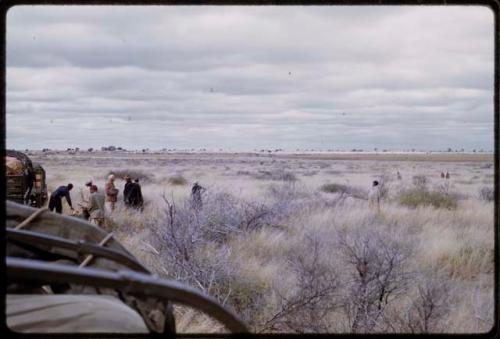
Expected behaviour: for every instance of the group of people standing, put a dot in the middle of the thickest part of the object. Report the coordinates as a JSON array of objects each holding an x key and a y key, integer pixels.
[
  {"x": 132, "y": 193},
  {"x": 93, "y": 206},
  {"x": 93, "y": 210}
]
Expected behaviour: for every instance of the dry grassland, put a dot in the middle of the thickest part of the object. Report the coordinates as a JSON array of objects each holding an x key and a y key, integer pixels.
[{"x": 289, "y": 254}]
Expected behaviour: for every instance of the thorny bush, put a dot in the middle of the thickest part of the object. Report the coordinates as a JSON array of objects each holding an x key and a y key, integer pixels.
[{"x": 355, "y": 280}]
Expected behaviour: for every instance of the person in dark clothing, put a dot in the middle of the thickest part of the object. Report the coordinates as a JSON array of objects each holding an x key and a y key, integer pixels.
[
  {"x": 56, "y": 196},
  {"x": 135, "y": 195},
  {"x": 127, "y": 189},
  {"x": 196, "y": 201}
]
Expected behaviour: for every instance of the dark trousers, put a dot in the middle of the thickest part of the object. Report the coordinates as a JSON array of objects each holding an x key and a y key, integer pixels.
[{"x": 55, "y": 203}]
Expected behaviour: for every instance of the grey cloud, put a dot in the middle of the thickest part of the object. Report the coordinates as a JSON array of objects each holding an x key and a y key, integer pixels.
[{"x": 250, "y": 76}]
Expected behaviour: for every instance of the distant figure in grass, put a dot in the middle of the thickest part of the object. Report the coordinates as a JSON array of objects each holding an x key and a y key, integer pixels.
[
  {"x": 374, "y": 195},
  {"x": 56, "y": 196},
  {"x": 135, "y": 199},
  {"x": 111, "y": 192},
  {"x": 447, "y": 175},
  {"x": 95, "y": 207},
  {"x": 196, "y": 201},
  {"x": 442, "y": 175},
  {"x": 399, "y": 176},
  {"x": 127, "y": 189}
]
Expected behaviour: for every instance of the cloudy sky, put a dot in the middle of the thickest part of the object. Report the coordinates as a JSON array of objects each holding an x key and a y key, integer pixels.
[{"x": 241, "y": 78}]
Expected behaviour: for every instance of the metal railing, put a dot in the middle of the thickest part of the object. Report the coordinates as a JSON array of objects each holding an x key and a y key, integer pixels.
[{"x": 133, "y": 283}]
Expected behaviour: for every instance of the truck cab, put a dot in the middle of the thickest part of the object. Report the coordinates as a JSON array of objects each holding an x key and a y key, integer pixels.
[{"x": 25, "y": 182}]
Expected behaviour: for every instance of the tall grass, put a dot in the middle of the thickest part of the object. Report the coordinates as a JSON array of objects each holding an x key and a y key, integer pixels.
[
  {"x": 289, "y": 257},
  {"x": 422, "y": 197}
]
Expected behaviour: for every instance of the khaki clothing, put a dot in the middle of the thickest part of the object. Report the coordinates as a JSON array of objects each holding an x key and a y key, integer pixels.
[
  {"x": 85, "y": 195},
  {"x": 96, "y": 205},
  {"x": 70, "y": 313},
  {"x": 111, "y": 192}
]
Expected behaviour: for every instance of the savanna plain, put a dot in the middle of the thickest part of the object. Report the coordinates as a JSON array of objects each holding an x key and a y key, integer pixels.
[{"x": 291, "y": 242}]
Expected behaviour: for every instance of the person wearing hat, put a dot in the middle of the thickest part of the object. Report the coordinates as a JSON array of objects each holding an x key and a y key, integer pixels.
[
  {"x": 111, "y": 192},
  {"x": 56, "y": 196}
]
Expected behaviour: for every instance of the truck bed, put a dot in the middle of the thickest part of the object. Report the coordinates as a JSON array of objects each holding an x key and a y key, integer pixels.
[{"x": 16, "y": 188}]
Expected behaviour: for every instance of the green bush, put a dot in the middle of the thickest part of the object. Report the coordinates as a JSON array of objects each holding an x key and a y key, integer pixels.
[
  {"x": 177, "y": 180},
  {"x": 334, "y": 188},
  {"x": 422, "y": 197}
]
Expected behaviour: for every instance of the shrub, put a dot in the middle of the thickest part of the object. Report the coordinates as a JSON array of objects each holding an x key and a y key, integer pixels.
[
  {"x": 422, "y": 197},
  {"x": 246, "y": 297},
  {"x": 334, "y": 188},
  {"x": 487, "y": 193},
  {"x": 307, "y": 306},
  {"x": 378, "y": 273},
  {"x": 281, "y": 175},
  {"x": 287, "y": 176},
  {"x": 420, "y": 181},
  {"x": 178, "y": 180},
  {"x": 355, "y": 192},
  {"x": 242, "y": 172},
  {"x": 430, "y": 305},
  {"x": 193, "y": 246}
]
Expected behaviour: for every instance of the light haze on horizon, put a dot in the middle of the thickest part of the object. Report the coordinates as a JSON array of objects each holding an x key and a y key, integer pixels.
[{"x": 250, "y": 77}]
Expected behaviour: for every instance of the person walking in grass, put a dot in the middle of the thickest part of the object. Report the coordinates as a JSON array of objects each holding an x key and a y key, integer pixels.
[
  {"x": 374, "y": 196},
  {"x": 95, "y": 207},
  {"x": 111, "y": 192},
  {"x": 56, "y": 196},
  {"x": 196, "y": 201}
]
